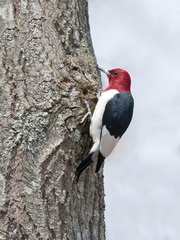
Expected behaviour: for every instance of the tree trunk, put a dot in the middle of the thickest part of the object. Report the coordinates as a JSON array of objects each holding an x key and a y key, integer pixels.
[{"x": 47, "y": 70}]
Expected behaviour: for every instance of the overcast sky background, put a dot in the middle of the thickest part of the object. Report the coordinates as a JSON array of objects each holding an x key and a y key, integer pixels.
[{"x": 142, "y": 176}]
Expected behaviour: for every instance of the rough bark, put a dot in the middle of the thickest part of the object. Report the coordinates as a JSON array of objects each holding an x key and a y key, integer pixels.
[{"x": 47, "y": 70}]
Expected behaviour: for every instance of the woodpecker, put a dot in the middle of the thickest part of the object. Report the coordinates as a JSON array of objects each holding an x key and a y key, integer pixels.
[{"x": 111, "y": 118}]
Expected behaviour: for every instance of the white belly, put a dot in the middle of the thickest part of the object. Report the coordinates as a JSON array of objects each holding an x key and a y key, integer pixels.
[{"x": 96, "y": 122}]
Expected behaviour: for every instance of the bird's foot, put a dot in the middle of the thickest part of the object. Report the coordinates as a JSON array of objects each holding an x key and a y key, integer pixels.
[{"x": 88, "y": 111}]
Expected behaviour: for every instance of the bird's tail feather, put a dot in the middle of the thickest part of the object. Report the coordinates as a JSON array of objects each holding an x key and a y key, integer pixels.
[
  {"x": 100, "y": 161},
  {"x": 83, "y": 165}
]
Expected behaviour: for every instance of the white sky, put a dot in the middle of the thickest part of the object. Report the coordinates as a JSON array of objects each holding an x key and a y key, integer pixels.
[{"x": 142, "y": 176}]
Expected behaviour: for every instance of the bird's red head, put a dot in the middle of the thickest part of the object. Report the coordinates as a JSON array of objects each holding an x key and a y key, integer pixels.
[{"x": 119, "y": 79}]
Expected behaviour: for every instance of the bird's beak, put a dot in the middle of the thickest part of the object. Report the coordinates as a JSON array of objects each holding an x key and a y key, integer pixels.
[{"x": 104, "y": 71}]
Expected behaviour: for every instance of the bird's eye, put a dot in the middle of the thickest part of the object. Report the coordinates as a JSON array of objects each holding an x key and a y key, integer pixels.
[{"x": 115, "y": 73}]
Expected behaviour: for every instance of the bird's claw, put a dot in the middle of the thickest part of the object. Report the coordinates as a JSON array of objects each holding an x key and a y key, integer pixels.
[{"x": 88, "y": 112}]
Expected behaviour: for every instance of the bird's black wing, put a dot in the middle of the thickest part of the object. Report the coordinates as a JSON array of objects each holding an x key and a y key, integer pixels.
[
  {"x": 118, "y": 113},
  {"x": 116, "y": 119}
]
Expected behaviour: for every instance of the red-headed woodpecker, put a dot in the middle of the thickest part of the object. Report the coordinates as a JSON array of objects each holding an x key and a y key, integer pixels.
[{"x": 111, "y": 118}]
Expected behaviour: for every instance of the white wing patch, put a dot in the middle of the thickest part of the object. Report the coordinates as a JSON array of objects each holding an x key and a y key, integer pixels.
[
  {"x": 108, "y": 142},
  {"x": 96, "y": 122}
]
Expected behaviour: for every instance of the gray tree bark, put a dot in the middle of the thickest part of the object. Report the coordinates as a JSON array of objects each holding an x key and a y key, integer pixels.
[{"x": 47, "y": 70}]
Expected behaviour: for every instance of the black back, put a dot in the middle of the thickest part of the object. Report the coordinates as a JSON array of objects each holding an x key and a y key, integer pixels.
[{"x": 118, "y": 113}]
